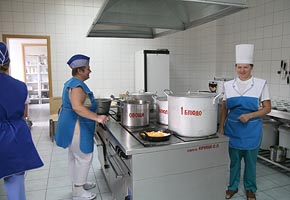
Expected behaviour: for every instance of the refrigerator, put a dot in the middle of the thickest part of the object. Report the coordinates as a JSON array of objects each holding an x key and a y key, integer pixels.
[{"x": 152, "y": 71}]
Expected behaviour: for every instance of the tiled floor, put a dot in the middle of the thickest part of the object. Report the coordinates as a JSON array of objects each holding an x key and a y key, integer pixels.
[{"x": 51, "y": 182}]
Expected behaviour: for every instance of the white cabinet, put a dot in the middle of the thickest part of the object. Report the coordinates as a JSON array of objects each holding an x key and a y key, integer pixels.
[{"x": 37, "y": 78}]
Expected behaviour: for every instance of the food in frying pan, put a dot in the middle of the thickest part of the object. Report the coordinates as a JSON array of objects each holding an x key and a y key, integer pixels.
[{"x": 156, "y": 133}]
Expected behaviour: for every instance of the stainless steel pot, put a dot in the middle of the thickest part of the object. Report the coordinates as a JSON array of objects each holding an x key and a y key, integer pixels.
[
  {"x": 135, "y": 113},
  {"x": 162, "y": 110},
  {"x": 145, "y": 96},
  {"x": 162, "y": 107},
  {"x": 193, "y": 114},
  {"x": 278, "y": 153},
  {"x": 103, "y": 106},
  {"x": 141, "y": 95}
]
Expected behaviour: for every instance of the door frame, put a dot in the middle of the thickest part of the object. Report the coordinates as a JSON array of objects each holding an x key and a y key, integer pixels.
[{"x": 5, "y": 38}]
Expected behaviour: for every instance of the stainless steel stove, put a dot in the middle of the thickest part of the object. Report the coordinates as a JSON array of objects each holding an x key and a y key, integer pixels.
[
  {"x": 181, "y": 166},
  {"x": 153, "y": 125}
]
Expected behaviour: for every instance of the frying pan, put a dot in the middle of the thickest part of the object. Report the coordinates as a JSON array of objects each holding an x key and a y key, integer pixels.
[{"x": 145, "y": 136}]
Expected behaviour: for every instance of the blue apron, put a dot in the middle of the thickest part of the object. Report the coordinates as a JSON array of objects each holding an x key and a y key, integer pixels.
[
  {"x": 68, "y": 118},
  {"x": 246, "y": 136},
  {"x": 17, "y": 151}
]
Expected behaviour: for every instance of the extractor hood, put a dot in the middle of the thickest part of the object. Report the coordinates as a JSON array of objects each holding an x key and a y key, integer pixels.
[{"x": 155, "y": 18}]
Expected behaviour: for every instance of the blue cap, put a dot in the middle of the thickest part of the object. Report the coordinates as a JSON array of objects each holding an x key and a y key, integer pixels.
[
  {"x": 78, "y": 60},
  {"x": 4, "y": 55}
]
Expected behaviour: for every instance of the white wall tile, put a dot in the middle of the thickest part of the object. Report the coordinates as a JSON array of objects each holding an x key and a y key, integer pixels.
[
  {"x": 28, "y": 7},
  {"x": 196, "y": 55},
  {"x": 28, "y": 17},
  {"x": 277, "y": 29},
  {"x": 60, "y": 9},
  {"x": 18, "y": 17},
  {"x": 29, "y": 27},
  {"x": 6, "y": 16},
  {"x": 18, "y": 28},
  {"x": 38, "y": 8},
  {"x": 286, "y": 28},
  {"x": 286, "y": 41},
  {"x": 40, "y": 28},
  {"x": 17, "y": 6},
  {"x": 7, "y": 27},
  {"x": 278, "y": 5},
  {"x": 6, "y": 6},
  {"x": 278, "y": 17}
]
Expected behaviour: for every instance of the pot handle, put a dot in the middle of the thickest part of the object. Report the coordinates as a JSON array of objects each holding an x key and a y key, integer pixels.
[
  {"x": 141, "y": 91},
  {"x": 216, "y": 97},
  {"x": 167, "y": 92},
  {"x": 154, "y": 96}
]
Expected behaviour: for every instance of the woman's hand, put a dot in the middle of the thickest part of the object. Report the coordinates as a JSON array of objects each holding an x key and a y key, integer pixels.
[
  {"x": 221, "y": 131},
  {"x": 102, "y": 119},
  {"x": 244, "y": 118}
]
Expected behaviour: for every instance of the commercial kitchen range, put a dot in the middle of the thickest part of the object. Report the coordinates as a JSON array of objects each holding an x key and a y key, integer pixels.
[{"x": 180, "y": 168}]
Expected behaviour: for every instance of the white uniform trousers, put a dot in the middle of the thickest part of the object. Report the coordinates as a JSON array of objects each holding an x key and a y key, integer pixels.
[
  {"x": 14, "y": 186},
  {"x": 79, "y": 163}
]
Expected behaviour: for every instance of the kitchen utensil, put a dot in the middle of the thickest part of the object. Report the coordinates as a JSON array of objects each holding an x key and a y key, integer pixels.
[
  {"x": 284, "y": 70},
  {"x": 288, "y": 73},
  {"x": 278, "y": 153},
  {"x": 193, "y": 114},
  {"x": 135, "y": 113},
  {"x": 103, "y": 106},
  {"x": 162, "y": 107},
  {"x": 281, "y": 69},
  {"x": 163, "y": 135},
  {"x": 212, "y": 85},
  {"x": 145, "y": 96}
]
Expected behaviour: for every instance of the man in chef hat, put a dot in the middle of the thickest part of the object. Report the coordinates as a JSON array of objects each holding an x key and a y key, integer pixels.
[
  {"x": 76, "y": 126},
  {"x": 246, "y": 101}
]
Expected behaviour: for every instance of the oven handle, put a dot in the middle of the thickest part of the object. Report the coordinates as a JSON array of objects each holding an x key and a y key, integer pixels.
[{"x": 114, "y": 167}]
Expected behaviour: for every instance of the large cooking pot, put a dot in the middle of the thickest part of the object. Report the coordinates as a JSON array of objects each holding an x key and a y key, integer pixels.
[
  {"x": 193, "y": 114},
  {"x": 145, "y": 96},
  {"x": 162, "y": 107},
  {"x": 103, "y": 106},
  {"x": 135, "y": 113},
  {"x": 141, "y": 95}
]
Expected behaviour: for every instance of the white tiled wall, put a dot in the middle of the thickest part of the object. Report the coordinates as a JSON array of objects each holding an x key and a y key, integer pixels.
[
  {"x": 196, "y": 55},
  {"x": 267, "y": 25}
]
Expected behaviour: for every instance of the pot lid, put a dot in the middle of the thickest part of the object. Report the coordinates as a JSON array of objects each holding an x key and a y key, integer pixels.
[
  {"x": 155, "y": 18},
  {"x": 194, "y": 95}
]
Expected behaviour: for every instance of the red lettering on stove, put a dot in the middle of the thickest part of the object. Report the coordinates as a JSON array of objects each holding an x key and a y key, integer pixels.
[
  {"x": 136, "y": 115},
  {"x": 204, "y": 147},
  {"x": 190, "y": 112},
  {"x": 162, "y": 111}
]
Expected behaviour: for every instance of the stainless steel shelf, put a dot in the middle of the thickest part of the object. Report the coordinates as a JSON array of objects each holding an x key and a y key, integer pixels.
[
  {"x": 265, "y": 155},
  {"x": 284, "y": 117}
]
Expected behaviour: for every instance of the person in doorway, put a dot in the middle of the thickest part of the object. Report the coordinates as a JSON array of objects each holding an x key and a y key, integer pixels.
[
  {"x": 76, "y": 125},
  {"x": 17, "y": 151},
  {"x": 246, "y": 101}
]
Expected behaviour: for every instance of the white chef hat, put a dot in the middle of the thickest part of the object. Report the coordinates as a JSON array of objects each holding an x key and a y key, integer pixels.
[
  {"x": 78, "y": 60},
  {"x": 244, "y": 53}
]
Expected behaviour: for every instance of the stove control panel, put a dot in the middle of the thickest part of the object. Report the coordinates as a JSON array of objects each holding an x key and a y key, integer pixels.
[{"x": 121, "y": 153}]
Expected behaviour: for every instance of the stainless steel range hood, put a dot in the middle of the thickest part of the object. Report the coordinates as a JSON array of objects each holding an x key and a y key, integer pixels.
[{"x": 155, "y": 18}]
